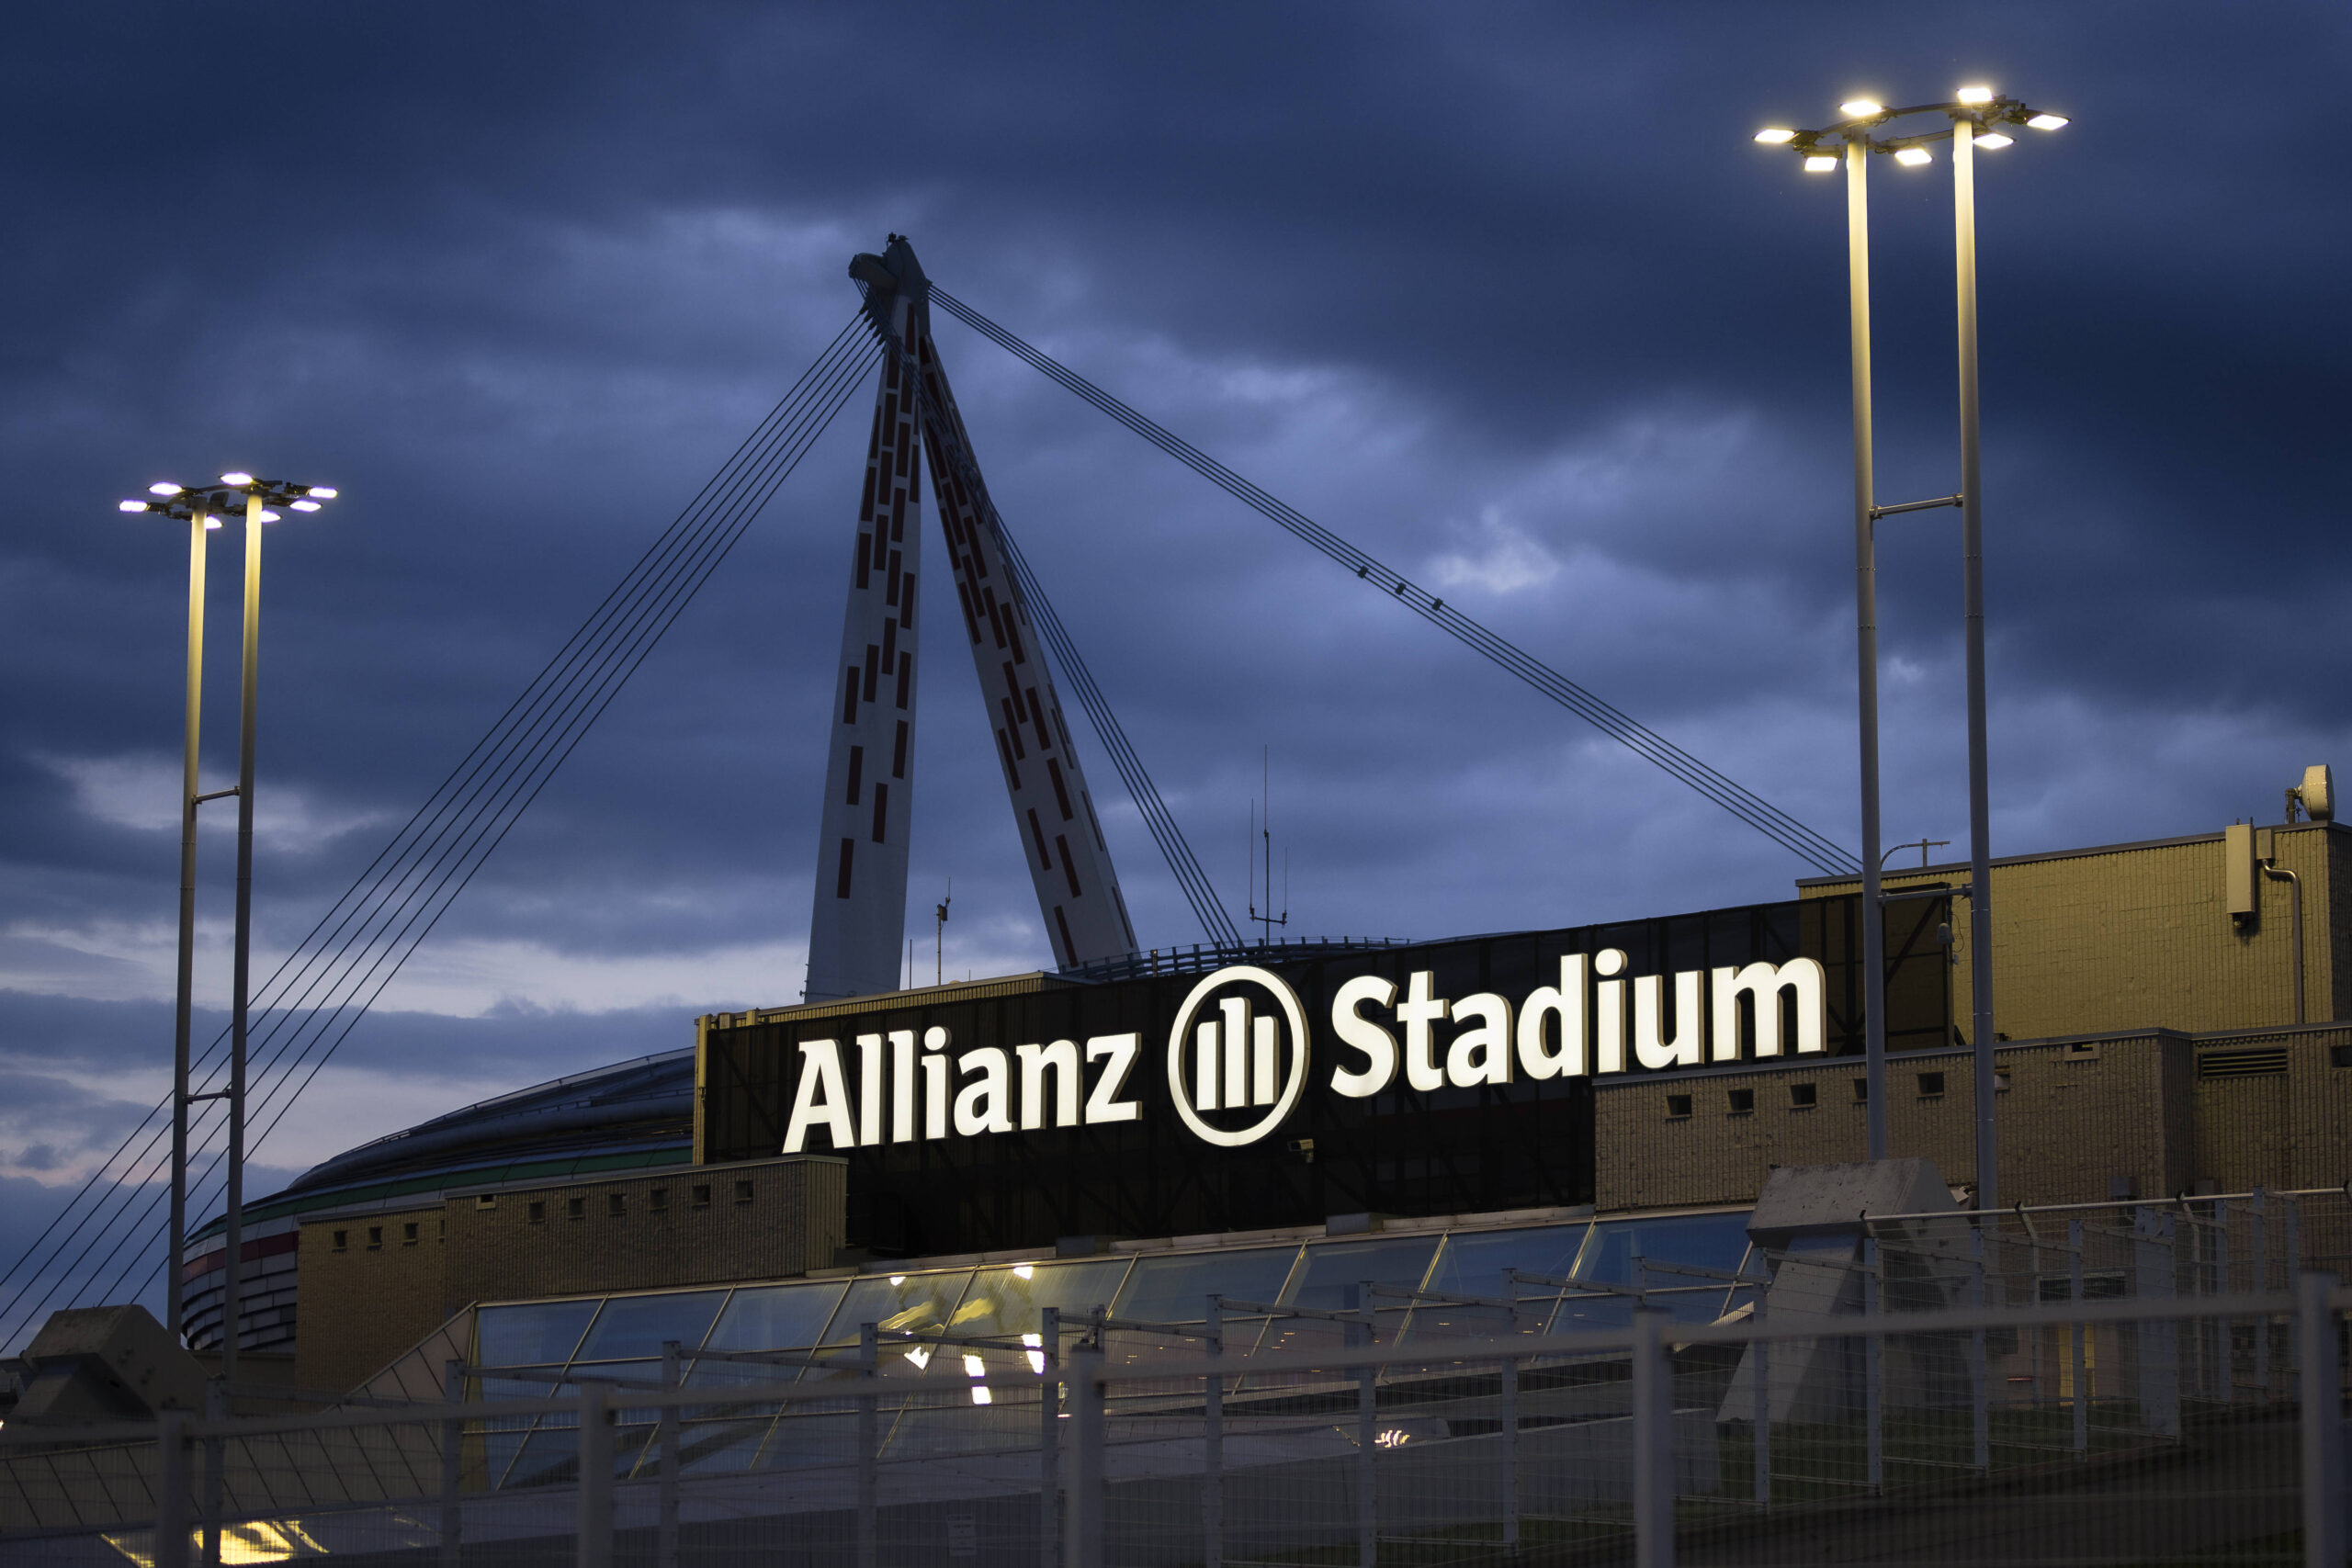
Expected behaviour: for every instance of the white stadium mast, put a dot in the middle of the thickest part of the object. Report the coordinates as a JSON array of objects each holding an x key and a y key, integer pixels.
[{"x": 858, "y": 923}]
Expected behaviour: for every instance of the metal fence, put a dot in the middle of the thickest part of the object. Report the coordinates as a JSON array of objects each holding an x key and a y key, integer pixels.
[{"x": 1925, "y": 1398}]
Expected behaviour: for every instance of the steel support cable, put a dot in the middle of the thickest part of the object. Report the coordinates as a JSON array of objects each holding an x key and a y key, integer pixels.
[
  {"x": 1194, "y": 881},
  {"x": 828, "y": 380},
  {"x": 392, "y": 956},
  {"x": 749, "y": 477},
  {"x": 1801, "y": 841}
]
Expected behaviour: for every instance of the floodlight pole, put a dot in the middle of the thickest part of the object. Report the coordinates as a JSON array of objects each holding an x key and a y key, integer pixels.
[
  {"x": 1972, "y": 515},
  {"x": 232, "y": 1278},
  {"x": 175, "y": 1287},
  {"x": 1857, "y": 310}
]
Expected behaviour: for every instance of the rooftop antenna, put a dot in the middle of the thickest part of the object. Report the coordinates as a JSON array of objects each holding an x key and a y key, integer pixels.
[
  {"x": 1261, "y": 829},
  {"x": 939, "y": 937}
]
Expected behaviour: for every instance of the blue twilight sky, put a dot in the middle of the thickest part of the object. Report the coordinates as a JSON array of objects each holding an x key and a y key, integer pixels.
[{"x": 1503, "y": 293}]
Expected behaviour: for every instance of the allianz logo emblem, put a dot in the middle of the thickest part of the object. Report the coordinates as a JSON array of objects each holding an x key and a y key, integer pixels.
[{"x": 1237, "y": 1055}]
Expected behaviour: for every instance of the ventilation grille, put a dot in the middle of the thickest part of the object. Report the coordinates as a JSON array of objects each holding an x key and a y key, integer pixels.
[{"x": 2243, "y": 1064}]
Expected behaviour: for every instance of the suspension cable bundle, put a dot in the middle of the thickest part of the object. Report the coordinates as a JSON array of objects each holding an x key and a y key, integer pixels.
[
  {"x": 105, "y": 1236},
  {"x": 1823, "y": 853}
]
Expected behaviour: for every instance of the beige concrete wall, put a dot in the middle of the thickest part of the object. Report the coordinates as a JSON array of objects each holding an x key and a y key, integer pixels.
[
  {"x": 2137, "y": 937},
  {"x": 370, "y": 1288}
]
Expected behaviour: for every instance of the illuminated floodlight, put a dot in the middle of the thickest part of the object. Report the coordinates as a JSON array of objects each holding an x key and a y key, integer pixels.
[
  {"x": 1776, "y": 136},
  {"x": 131, "y": 506},
  {"x": 2048, "y": 122},
  {"x": 165, "y": 488},
  {"x": 1036, "y": 1342},
  {"x": 1860, "y": 109},
  {"x": 327, "y": 492},
  {"x": 1979, "y": 95},
  {"x": 1820, "y": 163},
  {"x": 268, "y": 515},
  {"x": 1912, "y": 157},
  {"x": 237, "y": 477},
  {"x": 1995, "y": 140},
  {"x": 210, "y": 524},
  {"x": 306, "y": 506}
]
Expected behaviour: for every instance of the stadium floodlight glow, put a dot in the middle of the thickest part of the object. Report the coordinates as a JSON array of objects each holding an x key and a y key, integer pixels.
[
  {"x": 1776, "y": 135},
  {"x": 2048, "y": 121},
  {"x": 1860, "y": 109},
  {"x": 266, "y": 515},
  {"x": 236, "y": 477},
  {"x": 1992, "y": 140},
  {"x": 1820, "y": 163},
  {"x": 1912, "y": 157},
  {"x": 1974, "y": 96},
  {"x": 320, "y": 492},
  {"x": 163, "y": 488},
  {"x": 131, "y": 506},
  {"x": 305, "y": 504}
]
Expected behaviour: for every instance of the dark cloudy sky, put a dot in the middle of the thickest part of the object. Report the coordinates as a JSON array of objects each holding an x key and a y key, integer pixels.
[{"x": 1503, "y": 293}]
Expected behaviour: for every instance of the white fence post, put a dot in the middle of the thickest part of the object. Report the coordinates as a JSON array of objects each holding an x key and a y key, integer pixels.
[
  {"x": 1082, "y": 1531},
  {"x": 594, "y": 1526},
  {"x": 1980, "y": 1398},
  {"x": 2321, "y": 1390},
  {"x": 1049, "y": 1341},
  {"x": 170, "y": 1490},
  {"x": 453, "y": 1439},
  {"x": 1760, "y": 1359},
  {"x": 1506, "y": 1412},
  {"x": 1652, "y": 1443},
  {"x": 869, "y": 1490},
  {"x": 1213, "y": 1446},
  {"x": 1367, "y": 1435},
  {"x": 1873, "y": 1368},
  {"x": 210, "y": 1507},
  {"x": 667, "y": 1435},
  {"x": 2082, "y": 1382}
]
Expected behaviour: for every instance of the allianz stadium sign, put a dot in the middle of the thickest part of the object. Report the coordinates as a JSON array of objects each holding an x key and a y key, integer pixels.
[{"x": 1242, "y": 1051}]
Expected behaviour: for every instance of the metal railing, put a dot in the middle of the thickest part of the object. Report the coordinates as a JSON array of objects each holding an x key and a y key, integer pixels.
[{"x": 1786, "y": 1435}]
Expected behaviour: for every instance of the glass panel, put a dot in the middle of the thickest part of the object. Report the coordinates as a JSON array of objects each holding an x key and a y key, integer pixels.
[
  {"x": 898, "y": 1303},
  {"x": 637, "y": 1325},
  {"x": 1707, "y": 1241},
  {"x": 548, "y": 1458},
  {"x": 618, "y": 1371},
  {"x": 1009, "y": 1301},
  {"x": 711, "y": 1446},
  {"x": 1471, "y": 1264},
  {"x": 813, "y": 1437},
  {"x": 530, "y": 1335},
  {"x": 1330, "y": 1279},
  {"x": 1175, "y": 1287},
  {"x": 777, "y": 1317}
]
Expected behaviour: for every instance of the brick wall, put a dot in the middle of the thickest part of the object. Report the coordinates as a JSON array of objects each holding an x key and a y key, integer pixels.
[{"x": 372, "y": 1286}]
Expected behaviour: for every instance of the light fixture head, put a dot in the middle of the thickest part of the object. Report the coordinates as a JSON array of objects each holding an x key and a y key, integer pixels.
[
  {"x": 2048, "y": 122},
  {"x": 1912, "y": 157},
  {"x": 1995, "y": 141},
  {"x": 1776, "y": 136},
  {"x": 236, "y": 477},
  {"x": 131, "y": 506},
  {"x": 306, "y": 506},
  {"x": 268, "y": 515},
  {"x": 211, "y": 524},
  {"x": 165, "y": 488},
  {"x": 320, "y": 492},
  {"x": 1820, "y": 163},
  {"x": 1860, "y": 109},
  {"x": 1977, "y": 95}
]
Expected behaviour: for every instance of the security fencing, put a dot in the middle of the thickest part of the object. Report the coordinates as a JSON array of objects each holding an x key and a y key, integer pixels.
[{"x": 2192, "y": 1427}]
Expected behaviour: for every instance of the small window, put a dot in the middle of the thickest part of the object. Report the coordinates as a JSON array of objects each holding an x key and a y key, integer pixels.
[
  {"x": 701, "y": 1194},
  {"x": 576, "y": 1208},
  {"x": 2000, "y": 1083},
  {"x": 2339, "y": 1056},
  {"x": 1930, "y": 1085},
  {"x": 485, "y": 1199},
  {"x": 615, "y": 1204},
  {"x": 1804, "y": 1096},
  {"x": 2080, "y": 1049},
  {"x": 375, "y": 1236},
  {"x": 1861, "y": 1091},
  {"x": 408, "y": 1234},
  {"x": 658, "y": 1199},
  {"x": 539, "y": 1214},
  {"x": 343, "y": 1241},
  {"x": 1678, "y": 1105},
  {"x": 1742, "y": 1102},
  {"x": 742, "y": 1192}
]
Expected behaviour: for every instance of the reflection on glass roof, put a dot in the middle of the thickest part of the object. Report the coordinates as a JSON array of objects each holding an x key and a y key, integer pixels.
[{"x": 621, "y": 1336}]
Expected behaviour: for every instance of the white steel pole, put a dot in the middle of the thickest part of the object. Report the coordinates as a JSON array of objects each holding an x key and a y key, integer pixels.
[
  {"x": 232, "y": 1278},
  {"x": 176, "y": 1263},
  {"x": 1858, "y": 294},
  {"x": 1972, "y": 550}
]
